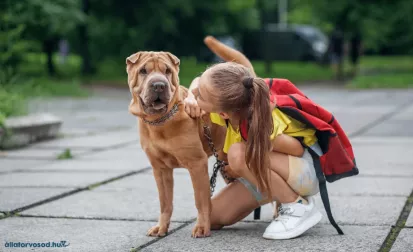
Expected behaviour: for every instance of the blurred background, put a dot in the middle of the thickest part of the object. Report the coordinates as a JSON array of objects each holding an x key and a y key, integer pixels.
[{"x": 63, "y": 47}]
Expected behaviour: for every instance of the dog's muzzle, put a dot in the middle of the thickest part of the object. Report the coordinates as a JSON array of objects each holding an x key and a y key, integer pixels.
[{"x": 158, "y": 86}]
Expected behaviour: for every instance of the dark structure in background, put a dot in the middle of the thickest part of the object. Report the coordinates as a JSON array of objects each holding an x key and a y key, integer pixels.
[
  {"x": 292, "y": 43},
  {"x": 274, "y": 42}
]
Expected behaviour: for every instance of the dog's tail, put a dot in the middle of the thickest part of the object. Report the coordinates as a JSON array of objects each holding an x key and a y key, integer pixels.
[{"x": 227, "y": 53}]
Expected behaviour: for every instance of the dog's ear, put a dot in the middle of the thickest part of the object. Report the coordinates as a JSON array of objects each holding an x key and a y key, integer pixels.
[
  {"x": 173, "y": 59},
  {"x": 132, "y": 60}
]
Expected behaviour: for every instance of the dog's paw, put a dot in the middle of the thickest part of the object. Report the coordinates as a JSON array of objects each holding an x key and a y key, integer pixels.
[
  {"x": 157, "y": 231},
  {"x": 201, "y": 231}
]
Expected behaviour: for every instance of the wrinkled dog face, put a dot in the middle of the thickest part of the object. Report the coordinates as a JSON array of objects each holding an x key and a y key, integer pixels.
[{"x": 153, "y": 81}]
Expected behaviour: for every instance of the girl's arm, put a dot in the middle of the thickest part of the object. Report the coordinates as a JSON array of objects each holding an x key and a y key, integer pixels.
[{"x": 287, "y": 145}]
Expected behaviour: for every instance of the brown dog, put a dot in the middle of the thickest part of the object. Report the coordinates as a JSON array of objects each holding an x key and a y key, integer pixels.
[{"x": 170, "y": 138}]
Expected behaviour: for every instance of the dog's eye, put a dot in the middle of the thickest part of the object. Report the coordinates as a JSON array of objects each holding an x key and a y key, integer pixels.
[
  {"x": 168, "y": 71},
  {"x": 143, "y": 71}
]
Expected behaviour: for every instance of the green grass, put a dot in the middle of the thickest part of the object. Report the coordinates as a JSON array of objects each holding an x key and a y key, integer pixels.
[
  {"x": 66, "y": 154},
  {"x": 49, "y": 87},
  {"x": 398, "y": 63},
  {"x": 394, "y": 72},
  {"x": 386, "y": 80}
]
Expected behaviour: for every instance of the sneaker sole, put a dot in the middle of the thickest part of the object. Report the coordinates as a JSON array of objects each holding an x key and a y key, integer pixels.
[{"x": 306, "y": 225}]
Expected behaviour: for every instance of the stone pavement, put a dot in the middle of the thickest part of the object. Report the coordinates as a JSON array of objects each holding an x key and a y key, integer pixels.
[{"x": 105, "y": 198}]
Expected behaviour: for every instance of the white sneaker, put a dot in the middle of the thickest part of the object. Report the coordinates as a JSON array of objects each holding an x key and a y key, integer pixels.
[{"x": 293, "y": 220}]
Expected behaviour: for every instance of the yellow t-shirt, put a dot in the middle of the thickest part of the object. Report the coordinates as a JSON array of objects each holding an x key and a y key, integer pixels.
[{"x": 283, "y": 124}]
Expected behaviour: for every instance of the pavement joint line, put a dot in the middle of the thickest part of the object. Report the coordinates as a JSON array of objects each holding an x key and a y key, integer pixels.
[
  {"x": 381, "y": 119},
  {"x": 160, "y": 238},
  {"x": 91, "y": 218},
  {"x": 400, "y": 224},
  {"x": 71, "y": 192}
]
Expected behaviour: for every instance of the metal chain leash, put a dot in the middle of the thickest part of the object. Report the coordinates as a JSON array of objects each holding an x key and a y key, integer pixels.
[
  {"x": 219, "y": 164},
  {"x": 164, "y": 118}
]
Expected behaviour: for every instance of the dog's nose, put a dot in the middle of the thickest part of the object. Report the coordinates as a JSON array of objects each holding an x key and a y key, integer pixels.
[{"x": 158, "y": 86}]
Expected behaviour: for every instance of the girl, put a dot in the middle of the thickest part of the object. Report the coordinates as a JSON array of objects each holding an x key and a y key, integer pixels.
[{"x": 270, "y": 165}]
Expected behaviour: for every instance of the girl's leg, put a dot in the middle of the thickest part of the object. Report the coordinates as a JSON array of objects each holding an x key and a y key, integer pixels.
[
  {"x": 235, "y": 201},
  {"x": 279, "y": 165},
  {"x": 231, "y": 204},
  {"x": 297, "y": 215}
]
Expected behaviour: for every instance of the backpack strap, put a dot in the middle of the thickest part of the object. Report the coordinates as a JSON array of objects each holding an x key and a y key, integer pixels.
[
  {"x": 270, "y": 83},
  {"x": 323, "y": 189},
  {"x": 243, "y": 129}
]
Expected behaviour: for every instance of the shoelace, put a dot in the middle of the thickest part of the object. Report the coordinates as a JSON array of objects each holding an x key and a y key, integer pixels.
[{"x": 283, "y": 214}]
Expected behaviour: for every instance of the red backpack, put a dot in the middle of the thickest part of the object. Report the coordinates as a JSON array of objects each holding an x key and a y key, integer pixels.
[{"x": 338, "y": 159}]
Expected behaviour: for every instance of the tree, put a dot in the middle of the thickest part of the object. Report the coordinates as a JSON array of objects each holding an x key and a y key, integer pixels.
[{"x": 46, "y": 21}]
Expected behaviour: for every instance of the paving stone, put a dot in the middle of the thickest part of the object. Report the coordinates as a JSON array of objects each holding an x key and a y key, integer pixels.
[
  {"x": 248, "y": 237},
  {"x": 392, "y": 127},
  {"x": 371, "y": 186},
  {"x": 54, "y": 179},
  {"x": 354, "y": 210},
  {"x": 36, "y": 153},
  {"x": 351, "y": 126},
  {"x": 81, "y": 235},
  {"x": 394, "y": 160},
  {"x": 381, "y": 140},
  {"x": 103, "y": 140},
  {"x": 7, "y": 165},
  {"x": 13, "y": 198},
  {"x": 129, "y": 158},
  {"x": 405, "y": 114},
  {"x": 97, "y": 165},
  {"x": 131, "y": 152},
  {"x": 131, "y": 197},
  {"x": 404, "y": 241}
]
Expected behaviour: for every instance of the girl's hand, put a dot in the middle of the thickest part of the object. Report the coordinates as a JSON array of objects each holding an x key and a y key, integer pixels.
[
  {"x": 191, "y": 107},
  {"x": 230, "y": 173}
]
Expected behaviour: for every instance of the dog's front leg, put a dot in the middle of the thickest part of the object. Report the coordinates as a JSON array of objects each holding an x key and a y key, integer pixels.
[
  {"x": 165, "y": 183},
  {"x": 200, "y": 182}
]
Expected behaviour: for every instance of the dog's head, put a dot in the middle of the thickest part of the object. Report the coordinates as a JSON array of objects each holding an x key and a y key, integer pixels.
[{"x": 153, "y": 82}]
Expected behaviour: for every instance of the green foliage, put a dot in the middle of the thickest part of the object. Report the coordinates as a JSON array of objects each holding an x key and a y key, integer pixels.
[
  {"x": 12, "y": 47},
  {"x": 66, "y": 154},
  {"x": 385, "y": 25},
  {"x": 46, "y": 18},
  {"x": 50, "y": 87},
  {"x": 11, "y": 104}
]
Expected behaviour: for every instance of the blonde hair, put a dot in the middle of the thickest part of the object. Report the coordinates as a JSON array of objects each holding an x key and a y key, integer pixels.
[{"x": 236, "y": 90}]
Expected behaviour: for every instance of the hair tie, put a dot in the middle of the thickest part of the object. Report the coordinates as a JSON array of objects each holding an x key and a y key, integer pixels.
[{"x": 248, "y": 82}]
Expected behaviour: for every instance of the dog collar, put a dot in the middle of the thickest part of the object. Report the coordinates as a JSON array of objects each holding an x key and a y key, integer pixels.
[{"x": 164, "y": 118}]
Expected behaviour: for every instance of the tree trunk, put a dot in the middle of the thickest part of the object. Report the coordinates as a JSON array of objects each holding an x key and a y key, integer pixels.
[
  {"x": 84, "y": 39},
  {"x": 48, "y": 47},
  {"x": 264, "y": 37}
]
